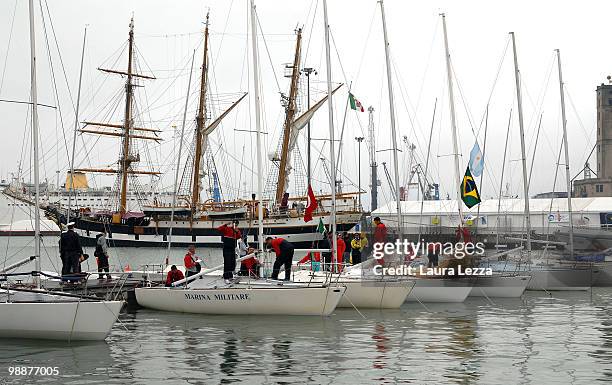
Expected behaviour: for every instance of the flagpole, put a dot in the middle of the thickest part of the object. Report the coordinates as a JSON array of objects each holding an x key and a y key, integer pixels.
[
  {"x": 393, "y": 131},
  {"x": 484, "y": 150},
  {"x": 260, "y": 235},
  {"x": 519, "y": 102},
  {"x": 451, "y": 98},
  {"x": 332, "y": 143}
]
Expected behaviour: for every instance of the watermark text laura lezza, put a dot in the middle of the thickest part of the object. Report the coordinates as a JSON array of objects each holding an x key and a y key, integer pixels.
[{"x": 404, "y": 270}]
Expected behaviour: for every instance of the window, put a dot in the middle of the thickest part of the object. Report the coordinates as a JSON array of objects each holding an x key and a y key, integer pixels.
[
  {"x": 610, "y": 102},
  {"x": 599, "y": 188}
]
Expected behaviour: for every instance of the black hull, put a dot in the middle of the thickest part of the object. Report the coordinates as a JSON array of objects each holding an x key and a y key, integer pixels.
[{"x": 297, "y": 232}]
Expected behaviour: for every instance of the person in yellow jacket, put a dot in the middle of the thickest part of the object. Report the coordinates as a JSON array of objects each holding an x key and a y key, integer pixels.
[{"x": 358, "y": 243}]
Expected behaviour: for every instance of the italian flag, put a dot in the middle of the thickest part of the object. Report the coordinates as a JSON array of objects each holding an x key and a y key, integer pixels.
[{"x": 355, "y": 103}]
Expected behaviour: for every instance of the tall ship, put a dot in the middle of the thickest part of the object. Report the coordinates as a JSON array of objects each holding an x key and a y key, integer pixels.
[{"x": 192, "y": 214}]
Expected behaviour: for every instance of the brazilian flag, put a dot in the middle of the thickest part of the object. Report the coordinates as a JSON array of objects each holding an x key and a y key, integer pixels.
[{"x": 469, "y": 192}]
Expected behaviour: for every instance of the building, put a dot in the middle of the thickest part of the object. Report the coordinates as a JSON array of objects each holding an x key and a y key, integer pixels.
[
  {"x": 601, "y": 184},
  {"x": 492, "y": 215},
  {"x": 551, "y": 194}
]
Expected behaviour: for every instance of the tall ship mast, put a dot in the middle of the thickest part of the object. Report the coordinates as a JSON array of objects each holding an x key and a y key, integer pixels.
[
  {"x": 126, "y": 131},
  {"x": 283, "y": 172}
]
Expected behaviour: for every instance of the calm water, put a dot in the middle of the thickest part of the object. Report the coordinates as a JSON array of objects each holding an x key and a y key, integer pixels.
[{"x": 538, "y": 339}]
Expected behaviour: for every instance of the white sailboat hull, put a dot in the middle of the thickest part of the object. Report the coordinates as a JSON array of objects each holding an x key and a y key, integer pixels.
[
  {"x": 363, "y": 293},
  {"x": 367, "y": 295},
  {"x": 438, "y": 290},
  {"x": 269, "y": 300},
  {"x": 69, "y": 321},
  {"x": 560, "y": 279},
  {"x": 500, "y": 286}
]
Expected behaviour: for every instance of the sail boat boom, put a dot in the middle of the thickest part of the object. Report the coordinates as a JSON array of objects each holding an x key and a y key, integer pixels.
[
  {"x": 303, "y": 119},
  {"x": 217, "y": 121}
]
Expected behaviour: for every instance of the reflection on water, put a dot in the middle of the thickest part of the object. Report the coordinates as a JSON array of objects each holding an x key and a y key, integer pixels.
[{"x": 566, "y": 338}]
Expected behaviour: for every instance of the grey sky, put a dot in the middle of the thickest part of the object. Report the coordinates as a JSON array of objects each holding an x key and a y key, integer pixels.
[{"x": 168, "y": 32}]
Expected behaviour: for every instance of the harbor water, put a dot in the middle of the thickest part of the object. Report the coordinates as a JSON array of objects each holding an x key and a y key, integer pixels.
[{"x": 540, "y": 338}]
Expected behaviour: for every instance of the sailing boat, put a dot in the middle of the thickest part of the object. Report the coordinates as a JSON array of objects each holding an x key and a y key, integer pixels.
[
  {"x": 429, "y": 290},
  {"x": 38, "y": 313},
  {"x": 546, "y": 276},
  {"x": 212, "y": 295},
  {"x": 498, "y": 285},
  {"x": 197, "y": 220},
  {"x": 361, "y": 292}
]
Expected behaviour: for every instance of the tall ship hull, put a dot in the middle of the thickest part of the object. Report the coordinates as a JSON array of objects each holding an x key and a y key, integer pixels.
[{"x": 149, "y": 233}]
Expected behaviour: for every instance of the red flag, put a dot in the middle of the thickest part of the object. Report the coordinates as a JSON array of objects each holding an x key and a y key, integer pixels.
[{"x": 311, "y": 205}]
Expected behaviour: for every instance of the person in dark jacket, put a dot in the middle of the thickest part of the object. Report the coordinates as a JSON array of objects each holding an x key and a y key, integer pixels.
[
  {"x": 70, "y": 251},
  {"x": 284, "y": 256},
  {"x": 101, "y": 254},
  {"x": 326, "y": 243},
  {"x": 230, "y": 234},
  {"x": 346, "y": 255}
]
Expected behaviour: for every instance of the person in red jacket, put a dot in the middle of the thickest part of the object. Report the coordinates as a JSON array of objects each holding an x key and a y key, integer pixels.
[
  {"x": 380, "y": 236},
  {"x": 380, "y": 231},
  {"x": 284, "y": 256},
  {"x": 174, "y": 275},
  {"x": 230, "y": 234},
  {"x": 192, "y": 266},
  {"x": 340, "y": 252}
]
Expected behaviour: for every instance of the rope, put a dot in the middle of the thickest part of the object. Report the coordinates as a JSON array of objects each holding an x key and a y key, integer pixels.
[
  {"x": 268, "y": 52},
  {"x": 8, "y": 46},
  {"x": 76, "y": 311}
]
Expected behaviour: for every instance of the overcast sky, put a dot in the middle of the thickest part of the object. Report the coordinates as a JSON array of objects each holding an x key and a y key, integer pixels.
[{"x": 168, "y": 32}]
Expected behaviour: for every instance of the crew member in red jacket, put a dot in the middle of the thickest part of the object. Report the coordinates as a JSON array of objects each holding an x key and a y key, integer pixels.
[
  {"x": 340, "y": 252},
  {"x": 380, "y": 231},
  {"x": 174, "y": 275},
  {"x": 192, "y": 266},
  {"x": 284, "y": 256},
  {"x": 380, "y": 236},
  {"x": 230, "y": 234}
]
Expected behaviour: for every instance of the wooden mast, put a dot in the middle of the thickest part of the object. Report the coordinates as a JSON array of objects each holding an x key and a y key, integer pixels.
[
  {"x": 199, "y": 134},
  {"x": 125, "y": 159},
  {"x": 127, "y": 127},
  {"x": 289, "y": 116}
]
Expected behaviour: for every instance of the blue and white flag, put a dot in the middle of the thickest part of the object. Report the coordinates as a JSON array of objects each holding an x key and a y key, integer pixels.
[{"x": 476, "y": 160}]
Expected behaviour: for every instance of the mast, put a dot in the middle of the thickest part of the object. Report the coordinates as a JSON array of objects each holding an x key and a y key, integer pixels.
[
  {"x": 127, "y": 127},
  {"x": 451, "y": 98},
  {"x": 373, "y": 166},
  {"x": 178, "y": 161},
  {"x": 126, "y": 160},
  {"x": 392, "y": 116},
  {"x": 308, "y": 71},
  {"x": 33, "y": 90},
  {"x": 332, "y": 143},
  {"x": 289, "y": 117},
  {"x": 76, "y": 125},
  {"x": 199, "y": 134},
  {"x": 260, "y": 235},
  {"x": 519, "y": 102},
  {"x": 567, "y": 165}
]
